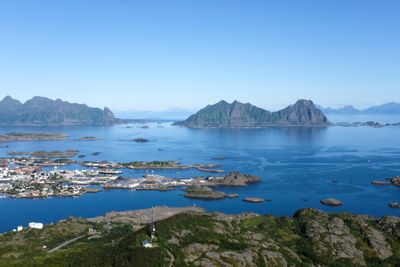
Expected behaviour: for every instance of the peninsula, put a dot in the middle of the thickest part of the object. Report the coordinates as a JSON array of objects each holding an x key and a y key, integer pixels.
[{"x": 236, "y": 114}]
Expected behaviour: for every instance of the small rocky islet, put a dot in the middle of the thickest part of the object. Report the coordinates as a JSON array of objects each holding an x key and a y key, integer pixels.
[
  {"x": 87, "y": 138},
  {"x": 139, "y": 140},
  {"x": 203, "y": 192},
  {"x": 254, "y": 200},
  {"x": 333, "y": 202},
  {"x": 394, "y": 181},
  {"x": 200, "y": 191}
]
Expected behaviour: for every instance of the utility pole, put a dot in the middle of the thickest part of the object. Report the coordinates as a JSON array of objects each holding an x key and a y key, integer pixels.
[{"x": 153, "y": 226}]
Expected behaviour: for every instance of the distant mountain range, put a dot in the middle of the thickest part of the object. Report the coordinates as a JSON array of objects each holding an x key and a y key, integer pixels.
[
  {"x": 236, "y": 114},
  {"x": 169, "y": 114},
  {"x": 45, "y": 111},
  {"x": 391, "y": 108}
]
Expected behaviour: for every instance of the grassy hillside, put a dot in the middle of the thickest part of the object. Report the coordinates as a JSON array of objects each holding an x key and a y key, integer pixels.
[{"x": 310, "y": 238}]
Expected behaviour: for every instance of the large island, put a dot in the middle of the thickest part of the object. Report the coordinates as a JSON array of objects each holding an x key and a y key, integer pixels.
[
  {"x": 236, "y": 114},
  {"x": 45, "y": 111}
]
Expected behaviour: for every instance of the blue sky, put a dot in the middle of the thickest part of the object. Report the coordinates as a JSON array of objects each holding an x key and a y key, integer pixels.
[{"x": 156, "y": 55}]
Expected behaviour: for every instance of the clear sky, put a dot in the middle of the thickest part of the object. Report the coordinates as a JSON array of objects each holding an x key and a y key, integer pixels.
[{"x": 156, "y": 55}]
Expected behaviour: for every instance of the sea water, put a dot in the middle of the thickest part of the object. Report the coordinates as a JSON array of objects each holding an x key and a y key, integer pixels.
[{"x": 299, "y": 166}]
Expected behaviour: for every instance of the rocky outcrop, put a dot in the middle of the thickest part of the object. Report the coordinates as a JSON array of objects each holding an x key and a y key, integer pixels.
[
  {"x": 395, "y": 181},
  {"x": 235, "y": 179},
  {"x": 329, "y": 236},
  {"x": 45, "y": 111},
  {"x": 236, "y": 114},
  {"x": 203, "y": 192},
  {"x": 191, "y": 237},
  {"x": 303, "y": 112},
  {"x": 376, "y": 239}
]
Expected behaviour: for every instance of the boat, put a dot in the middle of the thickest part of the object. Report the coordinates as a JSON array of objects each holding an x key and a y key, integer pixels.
[{"x": 110, "y": 171}]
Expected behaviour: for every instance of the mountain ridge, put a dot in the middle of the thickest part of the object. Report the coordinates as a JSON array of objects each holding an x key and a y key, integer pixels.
[
  {"x": 45, "y": 111},
  {"x": 237, "y": 114},
  {"x": 390, "y": 108}
]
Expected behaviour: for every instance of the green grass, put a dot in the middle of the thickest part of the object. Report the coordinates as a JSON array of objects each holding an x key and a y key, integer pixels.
[{"x": 121, "y": 246}]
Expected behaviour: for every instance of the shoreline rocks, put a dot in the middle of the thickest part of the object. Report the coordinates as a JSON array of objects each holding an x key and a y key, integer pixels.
[{"x": 235, "y": 179}]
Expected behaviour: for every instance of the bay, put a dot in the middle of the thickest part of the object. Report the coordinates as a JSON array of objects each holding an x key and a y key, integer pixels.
[{"x": 299, "y": 166}]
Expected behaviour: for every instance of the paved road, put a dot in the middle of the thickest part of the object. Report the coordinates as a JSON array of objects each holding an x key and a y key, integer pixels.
[{"x": 65, "y": 243}]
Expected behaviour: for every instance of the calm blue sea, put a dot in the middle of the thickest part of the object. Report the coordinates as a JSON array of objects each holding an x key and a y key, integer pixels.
[{"x": 299, "y": 167}]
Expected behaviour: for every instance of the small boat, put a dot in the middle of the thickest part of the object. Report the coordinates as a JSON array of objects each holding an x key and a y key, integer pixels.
[{"x": 110, "y": 171}]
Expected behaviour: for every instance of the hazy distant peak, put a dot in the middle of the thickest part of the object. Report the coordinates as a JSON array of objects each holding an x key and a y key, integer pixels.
[
  {"x": 9, "y": 100},
  {"x": 391, "y": 108}
]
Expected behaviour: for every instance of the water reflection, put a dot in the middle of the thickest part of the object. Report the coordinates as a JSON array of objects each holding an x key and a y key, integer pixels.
[{"x": 260, "y": 136}]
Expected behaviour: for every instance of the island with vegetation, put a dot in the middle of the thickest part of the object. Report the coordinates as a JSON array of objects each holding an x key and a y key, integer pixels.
[
  {"x": 203, "y": 192},
  {"x": 32, "y": 136},
  {"x": 236, "y": 114},
  {"x": 45, "y": 111},
  {"x": 189, "y": 236},
  {"x": 195, "y": 186},
  {"x": 47, "y": 154},
  {"x": 171, "y": 164}
]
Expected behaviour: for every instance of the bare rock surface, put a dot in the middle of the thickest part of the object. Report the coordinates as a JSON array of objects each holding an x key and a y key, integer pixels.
[{"x": 144, "y": 216}]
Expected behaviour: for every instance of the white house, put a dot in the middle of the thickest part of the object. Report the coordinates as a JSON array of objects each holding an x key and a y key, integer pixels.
[{"x": 35, "y": 225}]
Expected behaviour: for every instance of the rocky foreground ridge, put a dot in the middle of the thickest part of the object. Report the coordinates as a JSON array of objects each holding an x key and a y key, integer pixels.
[
  {"x": 192, "y": 237},
  {"x": 236, "y": 114},
  {"x": 45, "y": 111}
]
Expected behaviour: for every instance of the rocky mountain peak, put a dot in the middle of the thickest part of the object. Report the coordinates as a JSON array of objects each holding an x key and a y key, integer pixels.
[
  {"x": 237, "y": 114},
  {"x": 45, "y": 111},
  {"x": 8, "y": 101}
]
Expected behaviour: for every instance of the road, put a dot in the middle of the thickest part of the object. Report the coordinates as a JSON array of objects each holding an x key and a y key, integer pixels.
[{"x": 65, "y": 243}]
